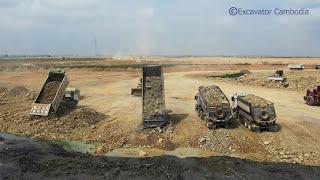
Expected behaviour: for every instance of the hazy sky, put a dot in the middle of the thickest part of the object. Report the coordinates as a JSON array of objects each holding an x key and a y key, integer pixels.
[{"x": 162, "y": 27}]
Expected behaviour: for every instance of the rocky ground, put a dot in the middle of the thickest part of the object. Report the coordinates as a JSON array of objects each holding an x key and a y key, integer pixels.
[{"x": 29, "y": 159}]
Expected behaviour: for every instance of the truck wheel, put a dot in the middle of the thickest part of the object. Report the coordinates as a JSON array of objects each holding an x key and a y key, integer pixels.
[
  {"x": 310, "y": 101},
  {"x": 264, "y": 115},
  {"x": 210, "y": 125},
  {"x": 201, "y": 115}
]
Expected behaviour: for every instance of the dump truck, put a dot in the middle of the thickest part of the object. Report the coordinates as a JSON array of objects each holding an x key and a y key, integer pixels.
[
  {"x": 137, "y": 91},
  {"x": 153, "y": 101},
  {"x": 254, "y": 112},
  {"x": 312, "y": 97},
  {"x": 51, "y": 94},
  {"x": 279, "y": 78},
  {"x": 296, "y": 66},
  {"x": 213, "y": 106}
]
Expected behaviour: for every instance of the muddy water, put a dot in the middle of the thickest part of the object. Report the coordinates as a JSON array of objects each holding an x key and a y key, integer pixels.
[{"x": 67, "y": 145}]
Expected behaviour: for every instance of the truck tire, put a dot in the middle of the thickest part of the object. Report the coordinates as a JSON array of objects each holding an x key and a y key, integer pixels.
[
  {"x": 264, "y": 115},
  {"x": 310, "y": 100},
  {"x": 210, "y": 125},
  {"x": 201, "y": 115}
]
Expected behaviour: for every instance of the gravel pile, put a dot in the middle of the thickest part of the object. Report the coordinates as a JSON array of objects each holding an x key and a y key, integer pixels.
[
  {"x": 153, "y": 97},
  {"x": 213, "y": 95},
  {"x": 256, "y": 101},
  {"x": 49, "y": 92}
]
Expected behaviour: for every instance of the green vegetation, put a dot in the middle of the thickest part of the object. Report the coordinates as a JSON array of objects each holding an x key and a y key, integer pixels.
[
  {"x": 62, "y": 143},
  {"x": 230, "y": 75}
]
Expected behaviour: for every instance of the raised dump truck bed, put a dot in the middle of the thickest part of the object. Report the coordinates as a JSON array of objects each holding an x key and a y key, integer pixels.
[
  {"x": 254, "y": 112},
  {"x": 50, "y": 95},
  {"x": 153, "y": 102},
  {"x": 213, "y": 106}
]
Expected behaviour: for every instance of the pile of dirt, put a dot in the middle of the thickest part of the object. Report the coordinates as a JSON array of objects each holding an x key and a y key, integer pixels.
[
  {"x": 213, "y": 95},
  {"x": 18, "y": 91},
  {"x": 49, "y": 92},
  {"x": 153, "y": 97},
  {"x": 256, "y": 101},
  {"x": 228, "y": 141},
  {"x": 85, "y": 115},
  {"x": 294, "y": 80}
]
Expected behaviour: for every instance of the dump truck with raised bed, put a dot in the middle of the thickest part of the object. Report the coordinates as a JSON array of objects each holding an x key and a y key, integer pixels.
[
  {"x": 153, "y": 102},
  {"x": 51, "y": 94},
  {"x": 213, "y": 106},
  {"x": 254, "y": 112}
]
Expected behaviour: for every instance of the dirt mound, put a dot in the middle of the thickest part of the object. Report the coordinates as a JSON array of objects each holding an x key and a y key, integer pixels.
[
  {"x": 256, "y": 101},
  {"x": 19, "y": 91},
  {"x": 49, "y": 92},
  {"x": 245, "y": 71},
  {"x": 86, "y": 115}
]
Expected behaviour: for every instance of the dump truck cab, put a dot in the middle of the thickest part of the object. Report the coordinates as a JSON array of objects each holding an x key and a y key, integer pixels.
[
  {"x": 213, "y": 107},
  {"x": 72, "y": 94}
]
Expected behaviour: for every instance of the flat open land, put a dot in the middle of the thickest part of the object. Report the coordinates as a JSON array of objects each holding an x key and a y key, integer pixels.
[{"x": 114, "y": 124}]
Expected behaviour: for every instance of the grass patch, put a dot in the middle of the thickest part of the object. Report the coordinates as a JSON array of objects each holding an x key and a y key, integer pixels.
[{"x": 230, "y": 75}]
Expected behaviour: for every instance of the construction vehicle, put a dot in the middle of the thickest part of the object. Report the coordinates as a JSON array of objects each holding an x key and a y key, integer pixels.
[
  {"x": 279, "y": 78},
  {"x": 153, "y": 101},
  {"x": 312, "y": 97},
  {"x": 296, "y": 66},
  {"x": 254, "y": 112},
  {"x": 72, "y": 94},
  {"x": 51, "y": 94},
  {"x": 137, "y": 91},
  {"x": 213, "y": 106}
]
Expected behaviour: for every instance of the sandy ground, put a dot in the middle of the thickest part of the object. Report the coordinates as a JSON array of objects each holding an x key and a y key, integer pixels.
[{"x": 109, "y": 93}]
